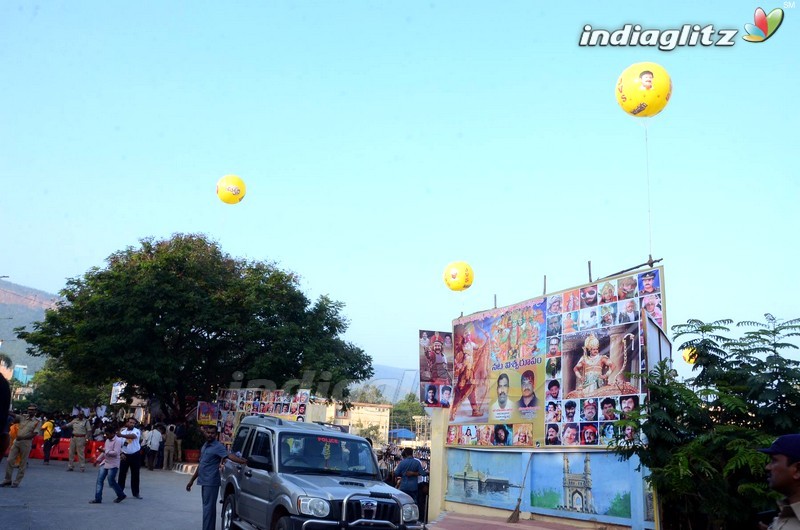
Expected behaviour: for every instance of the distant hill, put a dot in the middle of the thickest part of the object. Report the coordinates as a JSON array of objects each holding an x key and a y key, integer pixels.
[
  {"x": 394, "y": 383},
  {"x": 21, "y": 306}
]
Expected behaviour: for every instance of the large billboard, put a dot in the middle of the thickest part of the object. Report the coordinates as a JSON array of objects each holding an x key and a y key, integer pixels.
[{"x": 553, "y": 371}]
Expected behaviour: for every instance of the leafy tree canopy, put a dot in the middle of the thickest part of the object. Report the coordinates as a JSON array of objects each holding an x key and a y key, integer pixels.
[
  {"x": 701, "y": 435},
  {"x": 56, "y": 389},
  {"x": 178, "y": 318},
  {"x": 404, "y": 411}
]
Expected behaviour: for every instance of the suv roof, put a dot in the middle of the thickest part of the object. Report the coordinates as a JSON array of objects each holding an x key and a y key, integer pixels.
[{"x": 281, "y": 425}]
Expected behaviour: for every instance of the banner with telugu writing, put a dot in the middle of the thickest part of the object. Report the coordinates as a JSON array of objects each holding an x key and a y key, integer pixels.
[{"x": 555, "y": 370}]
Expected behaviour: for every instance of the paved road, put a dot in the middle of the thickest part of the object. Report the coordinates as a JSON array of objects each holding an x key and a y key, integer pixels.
[{"x": 50, "y": 497}]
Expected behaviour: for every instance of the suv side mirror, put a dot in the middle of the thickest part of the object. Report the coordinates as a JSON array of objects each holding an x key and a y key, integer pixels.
[{"x": 259, "y": 462}]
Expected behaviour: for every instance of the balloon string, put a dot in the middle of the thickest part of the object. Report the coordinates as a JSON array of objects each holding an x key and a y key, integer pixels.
[{"x": 647, "y": 171}]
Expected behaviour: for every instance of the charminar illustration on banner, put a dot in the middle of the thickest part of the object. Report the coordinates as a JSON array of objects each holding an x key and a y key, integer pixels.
[{"x": 555, "y": 370}]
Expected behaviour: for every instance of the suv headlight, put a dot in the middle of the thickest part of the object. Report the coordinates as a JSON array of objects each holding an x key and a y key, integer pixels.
[
  {"x": 313, "y": 506},
  {"x": 410, "y": 513}
]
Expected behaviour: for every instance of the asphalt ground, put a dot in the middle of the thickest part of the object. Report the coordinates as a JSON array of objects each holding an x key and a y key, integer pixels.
[{"x": 51, "y": 497}]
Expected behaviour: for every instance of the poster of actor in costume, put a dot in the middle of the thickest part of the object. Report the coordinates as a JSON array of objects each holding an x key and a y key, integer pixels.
[{"x": 435, "y": 366}]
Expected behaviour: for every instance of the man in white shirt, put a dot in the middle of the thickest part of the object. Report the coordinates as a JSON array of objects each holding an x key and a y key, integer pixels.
[
  {"x": 153, "y": 443},
  {"x": 131, "y": 456},
  {"x": 501, "y": 409}
]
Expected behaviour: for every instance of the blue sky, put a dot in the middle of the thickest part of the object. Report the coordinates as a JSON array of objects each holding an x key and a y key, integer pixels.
[{"x": 382, "y": 140}]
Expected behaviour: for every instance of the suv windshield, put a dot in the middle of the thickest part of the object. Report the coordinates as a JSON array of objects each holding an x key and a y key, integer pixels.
[{"x": 326, "y": 454}]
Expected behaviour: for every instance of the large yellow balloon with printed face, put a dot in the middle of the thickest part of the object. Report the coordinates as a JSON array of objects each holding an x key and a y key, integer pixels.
[
  {"x": 231, "y": 189},
  {"x": 644, "y": 89},
  {"x": 458, "y": 276},
  {"x": 690, "y": 355}
]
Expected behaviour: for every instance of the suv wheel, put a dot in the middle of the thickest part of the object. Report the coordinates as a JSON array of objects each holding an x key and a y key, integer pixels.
[
  {"x": 229, "y": 514},
  {"x": 283, "y": 524}
]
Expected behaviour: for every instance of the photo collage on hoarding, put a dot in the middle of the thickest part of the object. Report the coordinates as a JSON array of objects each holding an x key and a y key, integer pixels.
[
  {"x": 435, "y": 368},
  {"x": 558, "y": 370},
  {"x": 234, "y": 403}
]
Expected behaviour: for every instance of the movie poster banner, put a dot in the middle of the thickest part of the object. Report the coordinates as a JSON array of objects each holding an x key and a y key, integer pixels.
[
  {"x": 435, "y": 368},
  {"x": 556, "y": 370},
  {"x": 207, "y": 413},
  {"x": 592, "y": 486},
  {"x": 234, "y": 403}
]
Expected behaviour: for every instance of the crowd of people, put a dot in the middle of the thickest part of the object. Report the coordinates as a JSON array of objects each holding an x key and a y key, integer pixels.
[
  {"x": 408, "y": 470},
  {"x": 159, "y": 445}
]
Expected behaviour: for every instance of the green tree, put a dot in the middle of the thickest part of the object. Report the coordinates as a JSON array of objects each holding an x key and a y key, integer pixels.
[
  {"x": 702, "y": 434},
  {"x": 371, "y": 431},
  {"x": 404, "y": 411},
  {"x": 178, "y": 318},
  {"x": 368, "y": 394},
  {"x": 57, "y": 389}
]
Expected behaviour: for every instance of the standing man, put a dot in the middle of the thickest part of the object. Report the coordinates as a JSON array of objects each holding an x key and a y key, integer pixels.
[
  {"x": 169, "y": 447},
  {"x": 110, "y": 458},
  {"x": 784, "y": 477},
  {"x": 407, "y": 472},
  {"x": 81, "y": 428},
  {"x": 212, "y": 455},
  {"x": 131, "y": 456},
  {"x": 180, "y": 434},
  {"x": 153, "y": 443},
  {"x": 48, "y": 430},
  {"x": 22, "y": 446}
]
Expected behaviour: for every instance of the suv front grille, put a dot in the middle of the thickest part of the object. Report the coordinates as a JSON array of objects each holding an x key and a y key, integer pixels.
[{"x": 384, "y": 511}]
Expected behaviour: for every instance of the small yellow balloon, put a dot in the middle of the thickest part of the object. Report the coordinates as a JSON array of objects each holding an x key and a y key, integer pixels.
[
  {"x": 458, "y": 276},
  {"x": 231, "y": 189},
  {"x": 644, "y": 89},
  {"x": 690, "y": 355}
]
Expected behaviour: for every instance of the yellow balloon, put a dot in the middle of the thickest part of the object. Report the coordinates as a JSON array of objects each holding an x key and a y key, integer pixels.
[
  {"x": 231, "y": 189},
  {"x": 458, "y": 276},
  {"x": 644, "y": 89},
  {"x": 690, "y": 355}
]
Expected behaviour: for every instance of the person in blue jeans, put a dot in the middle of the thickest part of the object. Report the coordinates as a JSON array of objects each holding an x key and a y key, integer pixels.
[
  {"x": 110, "y": 460},
  {"x": 407, "y": 473},
  {"x": 212, "y": 454}
]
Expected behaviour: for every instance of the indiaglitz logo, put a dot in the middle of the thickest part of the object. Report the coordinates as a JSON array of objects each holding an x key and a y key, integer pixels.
[
  {"x": 765, "y": 25},
  {"x": 687, "y": 35}
]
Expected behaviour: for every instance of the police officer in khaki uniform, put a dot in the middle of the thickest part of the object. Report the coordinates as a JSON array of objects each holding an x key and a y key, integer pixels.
[
  {"x": 22, "y": 446},
  {"x": 81, "y": 429}
]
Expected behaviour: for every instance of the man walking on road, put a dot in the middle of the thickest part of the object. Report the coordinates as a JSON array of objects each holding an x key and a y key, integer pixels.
[
  {"x": 22, "y": 446},
  {"x": 212, "y": 454},
  {"x": 131, "y": 456},
  {"x": 110, "y": 459}
]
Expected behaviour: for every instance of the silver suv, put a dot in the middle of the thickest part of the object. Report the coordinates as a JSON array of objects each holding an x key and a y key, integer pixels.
[{"x": 304, "y": 476}]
